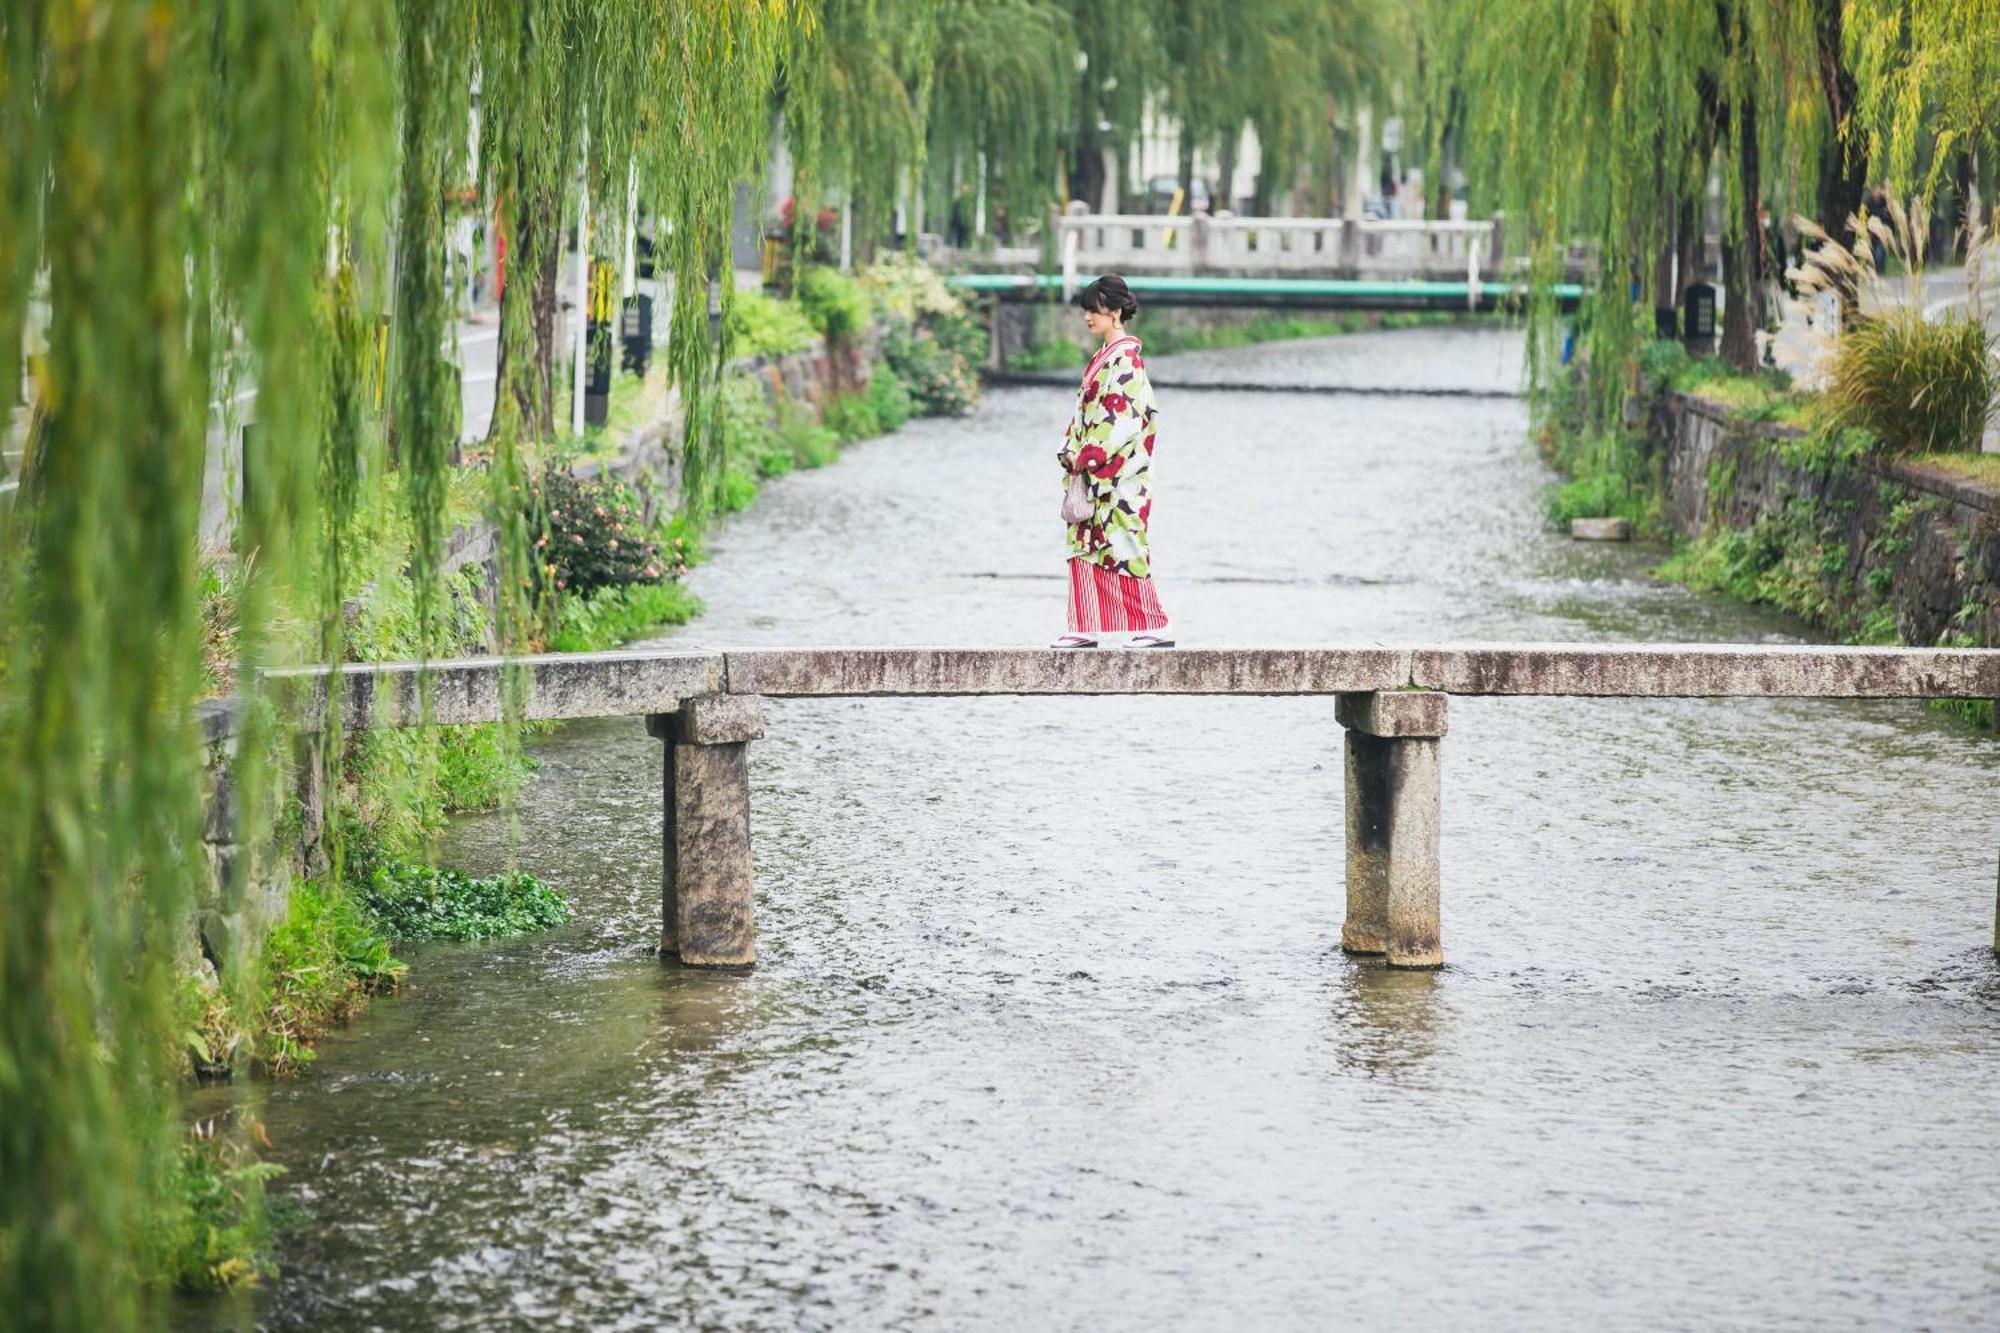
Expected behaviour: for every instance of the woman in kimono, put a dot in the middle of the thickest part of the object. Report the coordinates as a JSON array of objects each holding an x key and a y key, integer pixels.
[{"x": 1110, "y": 443}]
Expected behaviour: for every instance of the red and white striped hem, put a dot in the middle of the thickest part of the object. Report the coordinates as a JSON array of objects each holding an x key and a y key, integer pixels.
[{"x": 1103, "y": 601}]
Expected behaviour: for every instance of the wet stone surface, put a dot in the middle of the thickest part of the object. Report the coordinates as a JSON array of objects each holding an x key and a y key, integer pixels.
[{"x": 1051, "y": 1027}]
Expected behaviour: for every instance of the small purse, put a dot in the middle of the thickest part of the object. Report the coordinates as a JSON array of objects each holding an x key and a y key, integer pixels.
[{"x": 1077, "y": 505}]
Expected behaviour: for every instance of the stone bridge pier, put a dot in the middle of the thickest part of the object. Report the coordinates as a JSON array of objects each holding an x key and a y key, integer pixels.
[
  {"x": 1394, "y": 809},
  {"x": 707, "y": 882}
]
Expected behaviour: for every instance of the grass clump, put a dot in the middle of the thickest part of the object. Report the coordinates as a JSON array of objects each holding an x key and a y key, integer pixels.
[
  {"x": 319, "y": 967},
  {"x": 1607, "y": 478},
  {"x": 612, "y": 616},
  {"x": 215, "y": 1229},
  {"x": 851, "y": 417},
  {"x": 1918, "y": 386},
  {"x": 1049, "y": 354}
]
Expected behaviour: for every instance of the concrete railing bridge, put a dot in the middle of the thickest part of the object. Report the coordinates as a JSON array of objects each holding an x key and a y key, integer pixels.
[{"x": 1306, "y": 263}]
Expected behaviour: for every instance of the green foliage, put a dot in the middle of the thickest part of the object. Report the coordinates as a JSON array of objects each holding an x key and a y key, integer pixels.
[
  {"x": 834, "y": 303},
  {"x": 1167, "y": 338},
  {"x": 613, "y": 616},
  {"x": 213, "y": 1231},
  {"x": 1916, "y": 385},
  {"x": 415, "y": 903},
  {"x": 1049, "y": 354},
  {"x": 851, "y": 416},
  {"x": 905, "y": 290},
  {"x": 941, "y": 381},
  {"x": 479, "y": 767},
  {"x": 591, "y": 535},
  {"x": 759, "y": 325},
  {"x": 318, "y": 967},
  {"x": 1606, "y": 478},
  {"x": 202, "y": 197},
  {"x": 889, "y": 400},
  {"x": 1791, "y": 561},
  {"x": 806, "y": 442}
]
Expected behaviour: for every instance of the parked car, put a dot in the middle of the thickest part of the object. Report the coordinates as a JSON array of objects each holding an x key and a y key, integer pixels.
[{"x": 1160, "y": 195}]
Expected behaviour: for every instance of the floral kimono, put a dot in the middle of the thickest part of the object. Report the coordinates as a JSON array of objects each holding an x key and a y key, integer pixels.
[{"x": 1111, "y": 440}]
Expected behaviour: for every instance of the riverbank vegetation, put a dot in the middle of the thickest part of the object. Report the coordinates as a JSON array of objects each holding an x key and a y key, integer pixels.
[{"x": 1809, "y": 557}]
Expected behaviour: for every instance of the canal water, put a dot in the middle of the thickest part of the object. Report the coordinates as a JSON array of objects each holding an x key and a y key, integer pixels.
[{"x": 1051, "y": 1028}]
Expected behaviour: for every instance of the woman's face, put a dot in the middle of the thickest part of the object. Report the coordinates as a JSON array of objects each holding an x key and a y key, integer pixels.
[{"x": 1101, "y": 323}]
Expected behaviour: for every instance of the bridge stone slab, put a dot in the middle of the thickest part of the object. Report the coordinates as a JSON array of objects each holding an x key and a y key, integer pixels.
[
  {"x": 469, "y": 690},
  {"x": 1709, "y": 671},
  {"x": 815, "y": 672}
]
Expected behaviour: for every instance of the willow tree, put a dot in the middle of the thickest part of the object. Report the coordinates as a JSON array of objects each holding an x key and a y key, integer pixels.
[
  {"x": 999, "y": 103},
  {"x": 1928, "y": 74},
  {"x": 1610, "y": 134},
  {"x": 208, "y": 195},
  {"x": 170, "y": 174},
  {"x": 1118, "y": 66},
  {"x": 852, "y": 100},
  {"x": 1300, "y": 64}
]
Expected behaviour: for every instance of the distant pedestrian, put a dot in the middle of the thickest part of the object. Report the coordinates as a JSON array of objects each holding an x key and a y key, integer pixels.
[
  {"x": 1107, "y": 455},
  {"x": 1877, "y": 205}
]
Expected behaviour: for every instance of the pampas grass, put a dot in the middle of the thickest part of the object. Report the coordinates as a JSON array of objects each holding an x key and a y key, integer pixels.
[{"x": 1917, "y": 385}]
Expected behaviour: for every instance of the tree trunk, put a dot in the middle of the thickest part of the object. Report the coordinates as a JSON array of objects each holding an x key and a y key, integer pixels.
[
  {"x": 534, "y": 250},
  {"x": 1743, "y": 255},
  {"x": 1226, "y": 165},
  {"x": 1187, "y": 168},
  {"x": 1086, "y": 175},
  {"x": 1843, "y": 168}
]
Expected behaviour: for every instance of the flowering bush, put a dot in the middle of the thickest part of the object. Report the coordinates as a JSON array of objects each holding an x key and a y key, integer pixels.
[
  {"x": 906, "y": 290},
  {"x": 590, "y": 536},
  {"x": 940, "y": 379}
]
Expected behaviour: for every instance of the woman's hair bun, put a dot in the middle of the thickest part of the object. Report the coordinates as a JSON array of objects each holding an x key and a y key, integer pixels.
[{"x": 1110, "y": 295}]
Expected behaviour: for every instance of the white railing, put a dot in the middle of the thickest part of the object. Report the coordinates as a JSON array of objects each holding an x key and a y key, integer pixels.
[{"x": 1343, "y": 247}]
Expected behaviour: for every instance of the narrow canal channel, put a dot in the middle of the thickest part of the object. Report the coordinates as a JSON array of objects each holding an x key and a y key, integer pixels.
[{"x": 1051, "y": 1028}]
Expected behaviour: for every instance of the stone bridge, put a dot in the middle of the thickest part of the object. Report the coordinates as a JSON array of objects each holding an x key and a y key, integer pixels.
[{"x": 706, "y": 706}]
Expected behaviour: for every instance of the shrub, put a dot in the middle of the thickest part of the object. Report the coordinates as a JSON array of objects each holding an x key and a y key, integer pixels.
[
  {"x": 889, "y": 400},
  {"x": 1919, "y": 386},
  {"x": 807, "y": 442},
  {"x": 850, "y": 416},
  {"x": 757, "y": 325},
  {"x": 591, "y": 536},
  {"x": 906, "y": 290},
  {"x": 834, "y": 303},
  {"x": 940, "y": 381}
]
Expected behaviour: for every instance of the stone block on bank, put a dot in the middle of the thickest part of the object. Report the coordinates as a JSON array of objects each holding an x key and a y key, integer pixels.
[{"x": 1600, "y": 529}]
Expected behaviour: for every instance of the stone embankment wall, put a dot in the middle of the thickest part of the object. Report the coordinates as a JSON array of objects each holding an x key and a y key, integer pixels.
[{"x": 1922, "y": 540}]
